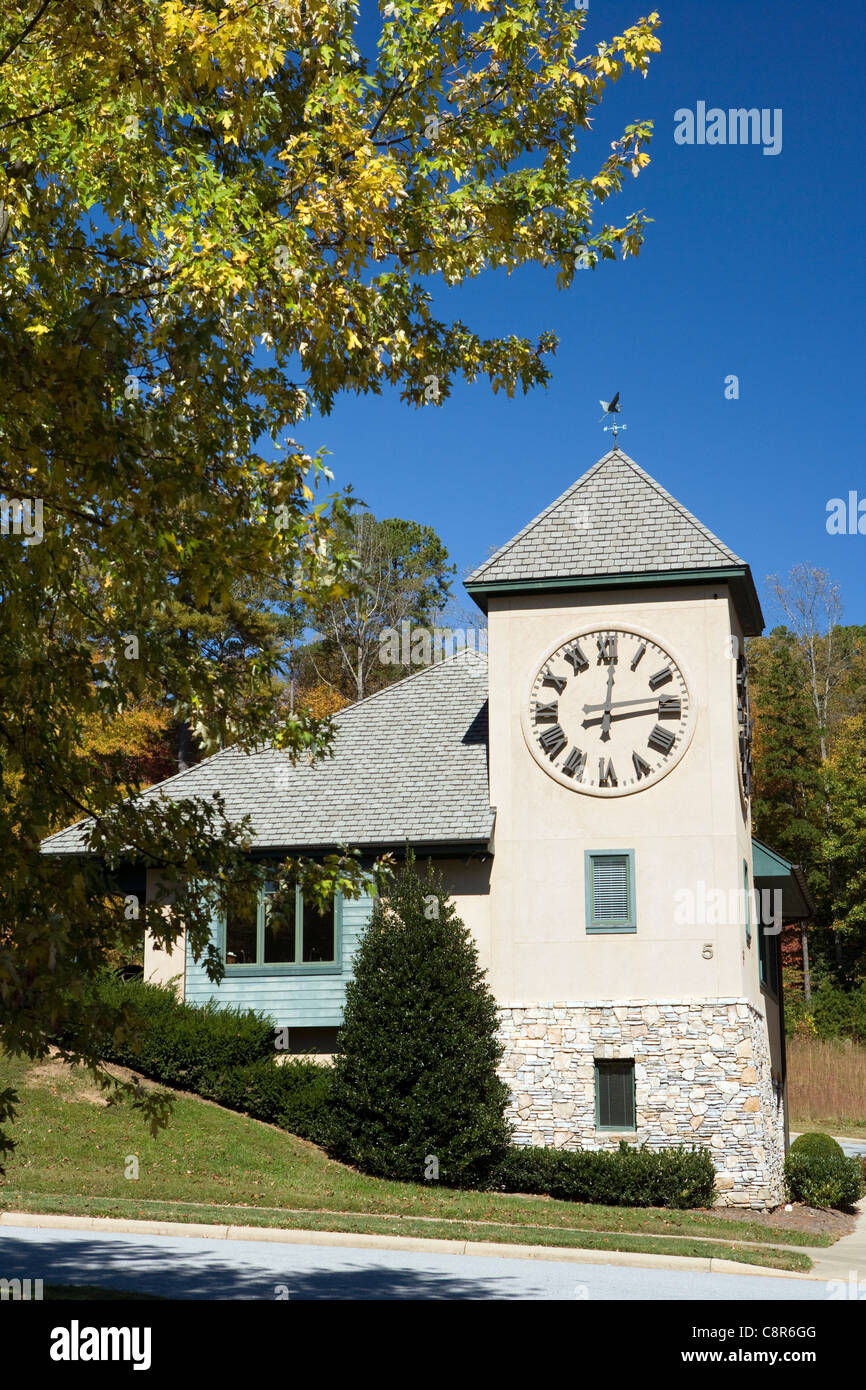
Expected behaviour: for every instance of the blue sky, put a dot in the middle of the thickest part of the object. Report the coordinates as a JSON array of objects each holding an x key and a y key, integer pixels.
[{"x": 753, "y": 266}]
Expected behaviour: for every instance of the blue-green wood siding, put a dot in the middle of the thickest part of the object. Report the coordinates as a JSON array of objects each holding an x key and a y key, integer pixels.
[{"x": 292, "y": 1001}]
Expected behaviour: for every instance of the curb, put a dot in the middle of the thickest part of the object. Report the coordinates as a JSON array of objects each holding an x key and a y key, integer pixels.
[{"x": 353, "y": 1240}]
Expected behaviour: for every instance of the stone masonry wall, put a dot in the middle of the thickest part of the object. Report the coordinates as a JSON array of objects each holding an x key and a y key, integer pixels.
[{"x": 702, "y": 1076}]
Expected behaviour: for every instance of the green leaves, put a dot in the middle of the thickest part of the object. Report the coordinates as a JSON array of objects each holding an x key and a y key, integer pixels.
[{"x": 212, "y": 221}]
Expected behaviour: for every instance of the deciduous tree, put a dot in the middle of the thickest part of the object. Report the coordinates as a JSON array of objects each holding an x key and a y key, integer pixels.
[{"x": 214, "y": 217}]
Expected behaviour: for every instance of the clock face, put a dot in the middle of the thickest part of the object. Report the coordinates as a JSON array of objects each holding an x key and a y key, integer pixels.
[{"x": 608, "y": 712}]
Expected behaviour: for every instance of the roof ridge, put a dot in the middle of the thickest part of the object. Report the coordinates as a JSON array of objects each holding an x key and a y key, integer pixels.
[
  {"x": 463, "y": 654},
  {"x": 143, "y": 791},
  {"x": 683, "y": 511},
  {"x": 543, "y": 548},
  {"x": 578, "y": 483}
]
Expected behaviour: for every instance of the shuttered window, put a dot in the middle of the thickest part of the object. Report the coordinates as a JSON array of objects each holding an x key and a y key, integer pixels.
[
  {"x": 614, "y": 1095},
  {"x": 610, "y": 903}
]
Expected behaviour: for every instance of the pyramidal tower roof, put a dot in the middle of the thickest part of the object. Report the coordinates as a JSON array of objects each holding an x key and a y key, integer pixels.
[{"x": 615, "y": 523}]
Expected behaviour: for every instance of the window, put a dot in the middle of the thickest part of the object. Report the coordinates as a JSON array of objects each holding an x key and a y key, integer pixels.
[
  {"x": 271, "y": 931},
  {"x": 747, "y": 898},
  {"x": 614, "y": 1095},
  {"x": 242, "y": 932},
  {"x": 610, "y": 902},
  {"x": 768, "y": 946}
]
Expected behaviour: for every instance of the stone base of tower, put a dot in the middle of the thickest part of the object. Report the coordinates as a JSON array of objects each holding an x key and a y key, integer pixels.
[{"x": 702, "y": 1076}]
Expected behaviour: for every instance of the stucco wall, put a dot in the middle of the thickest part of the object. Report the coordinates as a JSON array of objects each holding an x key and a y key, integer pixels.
[
  {"x": 163, "y": 967},
  {"x": 686, "y": 830},
  {"x": 468, "y": 882}
]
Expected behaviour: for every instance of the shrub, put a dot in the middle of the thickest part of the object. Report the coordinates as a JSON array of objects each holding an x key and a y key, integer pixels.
[
  {"x": 177, "y": 1043},
  {"x": 626, "y": 1177},
  {"x": 823, "y": 1180},
  {"x": 294, "y": 1095},
  {"x": 226, "y": 1055},
  {"x": 415, "y": 1075},
  {"x": 817, "y": 1146}
]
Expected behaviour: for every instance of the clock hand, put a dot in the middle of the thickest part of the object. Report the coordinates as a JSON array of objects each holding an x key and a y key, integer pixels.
[
  {"x": 605, "y": 723},
  {"x": 619, "y": 704},
  {"x": 624, "y": 714}
]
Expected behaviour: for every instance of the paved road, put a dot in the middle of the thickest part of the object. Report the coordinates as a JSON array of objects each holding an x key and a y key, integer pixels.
[{"x": 177, "y": 1267}]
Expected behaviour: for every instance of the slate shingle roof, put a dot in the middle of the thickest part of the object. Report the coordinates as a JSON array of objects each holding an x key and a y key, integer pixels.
[
  {"x": 615, "y": 519},
  {"x": 409, "y": 763}
]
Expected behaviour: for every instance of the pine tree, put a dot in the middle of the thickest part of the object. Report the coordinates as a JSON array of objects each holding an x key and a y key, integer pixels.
[
  {"x": 787, "y": 785},
  {"x": 786, "y": 800},
  {"x": 845, "y": 844},
  {"x": 416, "y": 1095}
]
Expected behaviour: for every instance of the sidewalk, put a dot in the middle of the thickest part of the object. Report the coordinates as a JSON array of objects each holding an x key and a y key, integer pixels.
[{"x": 846, "y": 1260}]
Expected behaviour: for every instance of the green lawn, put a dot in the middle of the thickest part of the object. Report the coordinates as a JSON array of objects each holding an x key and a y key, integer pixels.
[
  {"x": 847, "y": 1129},
  {"x": 214, "y": 1166}
]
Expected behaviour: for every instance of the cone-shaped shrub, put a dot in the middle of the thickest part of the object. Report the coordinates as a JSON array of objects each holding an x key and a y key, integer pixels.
[{"x": 415, "y": 1088}]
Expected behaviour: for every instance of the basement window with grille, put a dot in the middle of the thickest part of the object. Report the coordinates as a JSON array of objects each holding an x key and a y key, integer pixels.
[
  {"x": 614, "y": 1096},
  {"x": 610, "y": 899}
]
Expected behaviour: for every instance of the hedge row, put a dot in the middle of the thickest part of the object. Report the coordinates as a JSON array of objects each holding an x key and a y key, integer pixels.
[
  {"x": 293, "y": 1095},
  {"x": 180, "y": 1044},
  {"x": 627, "y": 1177},
  {"x": 224, "y": 1054}
]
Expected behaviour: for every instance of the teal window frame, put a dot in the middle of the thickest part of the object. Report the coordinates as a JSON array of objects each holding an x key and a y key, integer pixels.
[
  {"x": 605, "y": 927},
  {"x": 262, "y": 967},
  {"x": 748, "y": 898},
  {"x": 599, "y": 1064}
]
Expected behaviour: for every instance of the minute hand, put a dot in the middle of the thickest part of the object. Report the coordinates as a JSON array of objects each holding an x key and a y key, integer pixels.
[{"x": 620, "y": 704}]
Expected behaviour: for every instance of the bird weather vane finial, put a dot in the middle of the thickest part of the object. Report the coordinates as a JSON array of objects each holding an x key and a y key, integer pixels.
[{"x": 611, "y": 410}]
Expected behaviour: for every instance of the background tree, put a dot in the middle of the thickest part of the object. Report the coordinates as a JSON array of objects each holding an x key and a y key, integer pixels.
[
  {"x": 809, "y": 691},
  {"x": 845, "y": 845},
  {"x": 403, "y": 575},
  {"x": 786, "y": 777},
  {"x": 812, "y": 605},
  {"x": 214, "y": 217},
  {"x": 415, "y": 1077}
]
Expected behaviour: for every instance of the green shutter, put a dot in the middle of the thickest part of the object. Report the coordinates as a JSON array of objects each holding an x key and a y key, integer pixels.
[
  {"x": 614, "y": 1095},
  {"x": 610, "y": 903}
]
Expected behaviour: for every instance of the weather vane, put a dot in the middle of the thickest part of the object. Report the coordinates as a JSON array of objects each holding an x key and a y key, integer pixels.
[{"x": 611, "y": 410}]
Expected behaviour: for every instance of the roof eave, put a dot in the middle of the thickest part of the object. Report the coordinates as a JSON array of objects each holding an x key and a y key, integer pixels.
[
  {"x": 739, "y": 577},
  {"x": 455, "y": 844}
]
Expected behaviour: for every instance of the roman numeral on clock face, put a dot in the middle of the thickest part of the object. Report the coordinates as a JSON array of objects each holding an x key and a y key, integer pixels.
[
  {"x": 575, "y": 658},
  {"x": 670, "y": 707},
  {"x": 638, "y": 656},
  {"x": 661, "y": 678},
  {"x": 574, "y": 764},
  {"x": 662, "y": 740},
  {"x": 641, "y": 768},
  {"x": 553, "y": 741},
  {"x": 558, "y": 682},
  {"x": 546, "y": 714},
  {"x": 606, "y": 774},
  {"x": 606, "y": 651}
]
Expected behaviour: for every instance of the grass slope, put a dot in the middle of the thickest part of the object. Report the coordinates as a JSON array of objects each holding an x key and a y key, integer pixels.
[{"x": 212, "y": 1165}]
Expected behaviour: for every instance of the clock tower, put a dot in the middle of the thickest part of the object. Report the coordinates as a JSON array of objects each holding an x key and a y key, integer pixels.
[{"x": 625, "y": 935}]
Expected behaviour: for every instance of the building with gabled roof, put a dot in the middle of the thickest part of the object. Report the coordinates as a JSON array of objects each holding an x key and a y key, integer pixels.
[{"x": 585, "y": 792}]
